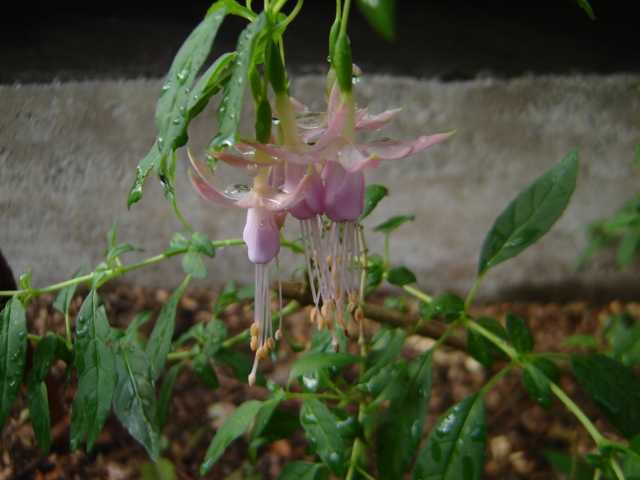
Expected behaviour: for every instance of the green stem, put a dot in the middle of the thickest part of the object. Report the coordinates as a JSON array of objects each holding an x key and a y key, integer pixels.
[
  {"x": 616, "y": 468},
  {"x": 473, "y": 291},
  {"x": 420, "y": 295},
  {"x": 577, "y": 411},
  {"x": 113, "y": 272},
  {"x": 497, "y": 341},
  {"x": 493, "y": 380}
]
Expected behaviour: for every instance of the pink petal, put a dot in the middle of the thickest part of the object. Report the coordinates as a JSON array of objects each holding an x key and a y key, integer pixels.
[
  {"x": 311, "y": 205},
  {"x": 352, "y": 157},
  {"x": 389, "y": 148},
  {"x": 374, "y": 122},
  {"x": 211, "y": 194},
  {"x": 344, "y": 193},
  {"x": 303, "y": 156},
  {"x": 336, "y": 122},
  {"x": 206, "y": 174},
  {"x": 426, "y": 142},
  {"x": 262, "y": 235}
]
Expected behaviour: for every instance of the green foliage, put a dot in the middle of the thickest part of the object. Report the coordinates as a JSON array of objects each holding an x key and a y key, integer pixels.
[
  {"x": 372, "y": 195},
  {"x": 519, "y": 334},
  {"x": 622, "y": 332},
  {"x": 323, "y": 434},
  {"x": 623, "y": 229},
  {"x": 455, "y": 447},
  {"x": 380, "y": 15},
  {"x": 613, "y": 388},
  {"x": 95, "y": 362},
  {"x": 530, "y": 215}
]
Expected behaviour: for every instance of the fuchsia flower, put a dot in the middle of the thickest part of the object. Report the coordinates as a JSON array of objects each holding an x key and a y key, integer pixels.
[{"x": 317, "y": 172}]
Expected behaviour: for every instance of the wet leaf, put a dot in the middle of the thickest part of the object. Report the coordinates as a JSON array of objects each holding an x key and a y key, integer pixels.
[
  {"x": 235, "y": 425},
  {"x": 372, "y": 196},
  {"x": 613, "y": 388},
  {"x": 233, "y": 95},
  {"x": 321, "y": 429},
  {"x": 381, "y": 16},
  {"x": 317, "y": 361},
  {"x": 96, "y": 372},
  {"x": 519, "y": 334},
  {"x": 159, "y": 342},
  {"x": 531, "y": 214},
  {"x": 44, "y": 355},
  {"x": 134, "y": 400},
  {"x": 39, "y": 411},
  {"x": 205, "y": 372},
  {"x": 173, "y": 104},
  {"x": 203, "y": 244},
  {"x": 400, "y": 276},
  {"x": 400, "y": 426},
  {"x": 455, "y": 448},
  {"x": 164, "y": 395},
  {"x": 393, "y": 223},
  {"x": 144, "y": 168},
  {"x": 13, "y": 352},
  {"x": 301, "y": 470},
  {"x": 537, "y": 385},
  {"x": 209, "y": 84}
]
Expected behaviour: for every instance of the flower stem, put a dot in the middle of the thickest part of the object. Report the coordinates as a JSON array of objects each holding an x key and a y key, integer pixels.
[
  {"x": 577, "y": 411},
  {"x": 420, "y": 295}
]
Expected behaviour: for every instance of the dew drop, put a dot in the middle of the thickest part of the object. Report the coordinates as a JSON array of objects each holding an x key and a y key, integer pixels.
[
  {"x": 165, "y": 88},
  {"x": 479, "y": 433},
  {"x": 176, "y": 121},
  {"x": 310, "y": 418},
  {"x": 275, "y": 120},
  {"x": 12, "y": 384},
  {"x": 21, "y": 335},
  {"x": 252, "y": 169},
  {"x": 237, "y": 190},
  {"x": 356, "y": 74},
  {"x": 182, "y": 76},
  {"x": 334, "y": 457}
]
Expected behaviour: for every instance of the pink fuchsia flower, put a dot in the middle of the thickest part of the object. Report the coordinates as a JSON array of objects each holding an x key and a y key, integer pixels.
[{"x": 266, "y": 210}]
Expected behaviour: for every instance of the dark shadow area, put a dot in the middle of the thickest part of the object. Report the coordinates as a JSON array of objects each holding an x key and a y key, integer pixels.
[{"x": 42, "y": 41}]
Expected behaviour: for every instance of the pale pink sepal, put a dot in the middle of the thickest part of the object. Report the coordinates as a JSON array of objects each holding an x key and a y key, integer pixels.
[
  {"x": 344, "y": 193},
  {"x": 210, "y": 194},
  {"x": 262, "y": 235}
]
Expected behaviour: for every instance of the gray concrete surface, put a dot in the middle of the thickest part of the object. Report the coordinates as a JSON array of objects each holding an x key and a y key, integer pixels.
[{"x": 68, "y": 153}]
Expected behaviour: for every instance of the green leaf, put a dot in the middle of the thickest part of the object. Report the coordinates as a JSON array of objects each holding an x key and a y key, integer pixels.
[
  {"x": 144, "y": 168},
  {"x": 205, "y": 371},
  {"x": 547, "y": 367},
  {"x": 631, "y": 463},
  {"x": 159, "y": 342},
  {"x": 13, "y": 353},
  {"x": 623, "y": 334},
  {"x": 280, "y": 424},
  {"x": 372, "y": 195},
  {"x": 24, "y": 281},
  {"x": 316, "y": 361},
  {"x": 239, "y": 363},
  {"x": 64, "y": 297},
  {"x": 628, "y": 248},
  {"x": 385, "y": 346},
  {"x": 233, "y": 96},
  {"x": 134, "y": 400},
  {"x": 164, "y": 395},
  {"x": 393, "y": 223},
  {"x": 400, "y": 276},
  {"x": 519, "y": 334},
  {"x": 172, "y": 108},
  {"x": 613, "y": 388},
  {"x": 96, "y": 372},
  {"x": 381, "y": 16},
  {"x": 322, "y": 431},
  {"x": 455, "y": 448},
  {"x": 227, "y": 297},
  {"x": 203, "y": 244},
  {"x": 208, "y": 85},
  {"x": 400, "y": 427},
  {"x": 384, "y": 383},
  {"x": 131, "y": 333},
  {"x": 479, "y": 348},
  {"x": 568, "y": 466},
  {"x": 447, "y": 303},
  {"x": 587, "y": 8},
  {"x": 301, "y": 470},
  {"x": 235, "y": 425},
  {"x": 531, "y": 214},
  {"x": 537, "y": 385},
  {"x": 44, "y": 355},
  {"x": 39, "y": 411},
  {"x": 192, "y": 264}
]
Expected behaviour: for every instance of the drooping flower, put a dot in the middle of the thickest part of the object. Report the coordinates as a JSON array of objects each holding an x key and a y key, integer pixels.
[{"x": 266, "y": 210}]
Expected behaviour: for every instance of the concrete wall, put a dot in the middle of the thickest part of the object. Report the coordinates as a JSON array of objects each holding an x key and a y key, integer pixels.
[{"x": 68, "y": 153}]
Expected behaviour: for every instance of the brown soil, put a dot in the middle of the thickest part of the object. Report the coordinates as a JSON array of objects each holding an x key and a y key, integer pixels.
[{"x": 519, "y": 430}]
